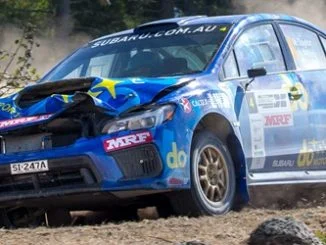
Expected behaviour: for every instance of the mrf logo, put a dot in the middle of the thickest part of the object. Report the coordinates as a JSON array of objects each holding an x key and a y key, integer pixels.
[
  {"x": 23, "y": 120},
  {"x": 127, "y": 141},
  {"x": 278, "y": 120},
  {"x": 176, "y": 158}
]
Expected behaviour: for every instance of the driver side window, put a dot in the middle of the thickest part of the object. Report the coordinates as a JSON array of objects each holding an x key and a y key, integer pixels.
[
  {"x": 258, "y": 47},
  {"x": 74, "y": 73}
]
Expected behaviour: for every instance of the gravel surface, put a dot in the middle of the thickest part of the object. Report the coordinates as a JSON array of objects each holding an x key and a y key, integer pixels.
[{"x": 233, "y": 228}]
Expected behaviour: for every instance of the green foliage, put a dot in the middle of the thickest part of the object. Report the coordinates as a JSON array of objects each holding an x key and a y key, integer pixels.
[
  {"x": 15, "y": 67},
  {"x": 322, "y": 236},
  {"x": 24, "y": 12},
  {"x": 95, "y": 19}
]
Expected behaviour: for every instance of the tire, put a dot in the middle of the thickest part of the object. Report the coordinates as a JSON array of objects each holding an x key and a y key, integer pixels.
[
  {"x": 21, "y": 218},
  {"x": 4, "y": 220},
  {"x": 207, "y": 196},
  {"x": 58, "y": 217}
]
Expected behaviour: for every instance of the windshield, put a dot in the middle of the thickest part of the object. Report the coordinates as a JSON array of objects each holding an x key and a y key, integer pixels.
[{"x": 172, "y": 52}]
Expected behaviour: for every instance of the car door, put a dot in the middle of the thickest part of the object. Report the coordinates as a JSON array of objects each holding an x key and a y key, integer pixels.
[
  {"x": 271, "y": 127},
  {"x": 307, "y": 48}
]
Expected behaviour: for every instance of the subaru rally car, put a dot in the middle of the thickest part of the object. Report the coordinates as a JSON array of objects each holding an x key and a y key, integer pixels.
[{"x": 204, "y": 112}]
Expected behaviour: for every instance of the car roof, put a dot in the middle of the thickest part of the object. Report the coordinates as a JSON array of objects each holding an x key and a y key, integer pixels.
[{"x": 202, "y": 19}]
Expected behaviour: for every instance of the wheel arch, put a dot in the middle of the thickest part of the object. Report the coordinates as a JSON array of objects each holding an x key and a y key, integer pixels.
[{"x": 222, "y": 128}]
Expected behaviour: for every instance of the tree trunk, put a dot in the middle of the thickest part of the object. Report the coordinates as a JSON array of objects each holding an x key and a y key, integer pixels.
[
  {"x": 64, "y": 23},
  {"x": 167, "y": 7},
  {"x": 189, "y": 7}
]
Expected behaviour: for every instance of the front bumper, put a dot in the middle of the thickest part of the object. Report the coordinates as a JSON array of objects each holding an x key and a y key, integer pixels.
[
  {"x": 88, "y": 168},
  {"x": 83, "y": 169},
  {"x": 65, "y": 176}
]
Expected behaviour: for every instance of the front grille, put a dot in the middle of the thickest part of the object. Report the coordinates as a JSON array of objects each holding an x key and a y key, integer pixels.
[
  {"x": 139, "y": 162},
  {"x": 67, "y": 173},
  {"x": 35, "y": 142}
]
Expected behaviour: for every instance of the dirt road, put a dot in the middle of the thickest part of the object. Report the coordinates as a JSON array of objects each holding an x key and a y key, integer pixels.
[{"x": 233, "y": 228}]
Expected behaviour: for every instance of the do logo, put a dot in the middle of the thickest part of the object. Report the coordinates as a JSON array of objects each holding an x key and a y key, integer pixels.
[{"x": 175, "y": 158}]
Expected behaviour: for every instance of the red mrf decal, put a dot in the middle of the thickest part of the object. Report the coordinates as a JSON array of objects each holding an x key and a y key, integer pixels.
[
  {"x": 127, "y": 141},
  {"x": 23, "y": 120},
  {"x": 278, "y": 120}
]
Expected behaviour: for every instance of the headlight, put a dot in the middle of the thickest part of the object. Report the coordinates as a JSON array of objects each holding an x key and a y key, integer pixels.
[{"x": 146, "y": 119}]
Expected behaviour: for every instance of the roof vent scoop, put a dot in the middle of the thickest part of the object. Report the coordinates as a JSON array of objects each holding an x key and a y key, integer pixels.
[
  {"x": 165, "y": 24},
  {"x": 155, "y": 27}
]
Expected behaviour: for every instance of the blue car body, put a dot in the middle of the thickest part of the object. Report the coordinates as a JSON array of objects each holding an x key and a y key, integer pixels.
[{"x": 273, "y": 126}]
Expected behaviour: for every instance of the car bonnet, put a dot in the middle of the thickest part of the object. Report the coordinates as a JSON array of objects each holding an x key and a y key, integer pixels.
[{"x": 43, "y": 101}]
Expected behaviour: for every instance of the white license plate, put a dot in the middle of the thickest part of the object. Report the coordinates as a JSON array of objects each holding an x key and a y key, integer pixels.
[{"x": 29, "y": 167}]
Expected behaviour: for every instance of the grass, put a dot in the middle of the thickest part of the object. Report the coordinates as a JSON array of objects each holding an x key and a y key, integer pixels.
[{"x": 322, "y": 236}]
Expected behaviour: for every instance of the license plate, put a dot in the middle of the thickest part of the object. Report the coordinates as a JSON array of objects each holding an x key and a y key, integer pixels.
[{"x": 29, "y": 167}]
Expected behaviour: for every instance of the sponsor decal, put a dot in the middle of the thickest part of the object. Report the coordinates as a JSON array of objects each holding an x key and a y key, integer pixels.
[
  {"x": 278, "y": 120},
  {"x": 257, "y": 141},
  {"x": 219, "y": 100},
  {"x": 252, "y": 103},
  {"x": 186, "y": 105},
  {"x": 127, "y": 141},
  {"x": 186, "y": 30},
  {"x": 283, "y": 163},
  {"x": 177, "y": 181},
  {"x": 23, "y": 120},
  {"x": 215, "y": 100},
  {"x": 300, "y": 97},
  {"x": 7, "y": 108},
  {"x": 258, "y": 163},
  {"x": 267, "y": 109},
  {"x": 199, "y": 102},
  {"x": 312, "y": 153},
  {"x": 273, "y": 101},
  {"x": 176, "y": 158}
]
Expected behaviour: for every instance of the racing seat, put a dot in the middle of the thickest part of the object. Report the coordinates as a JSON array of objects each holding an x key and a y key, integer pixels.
[
  {"x": 174, "y": 65},
  {"x": 144, "y": 64}
]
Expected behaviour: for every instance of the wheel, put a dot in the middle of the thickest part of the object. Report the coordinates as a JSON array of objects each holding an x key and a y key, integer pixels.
[
  {"x": 21, "y": 217},
  {"x": 58, "y": 217},
  {"x": 212, "y": 179},
  {"x": 4, "y": 220}
]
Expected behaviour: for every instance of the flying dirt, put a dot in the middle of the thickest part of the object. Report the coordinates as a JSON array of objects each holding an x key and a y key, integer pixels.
[{"x": 231, "y": 229}]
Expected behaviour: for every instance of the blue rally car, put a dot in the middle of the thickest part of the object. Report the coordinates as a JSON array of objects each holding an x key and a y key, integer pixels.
[{"x": 196, "y": 113}]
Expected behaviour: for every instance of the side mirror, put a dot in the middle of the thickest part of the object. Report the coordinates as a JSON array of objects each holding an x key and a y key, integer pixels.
[{"x": 256, "y": 72}]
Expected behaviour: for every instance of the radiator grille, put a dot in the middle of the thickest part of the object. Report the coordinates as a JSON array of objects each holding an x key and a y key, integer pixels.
[{"x": 139, "y": 162}]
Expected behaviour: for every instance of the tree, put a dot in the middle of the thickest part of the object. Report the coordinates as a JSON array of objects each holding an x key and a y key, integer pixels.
[
  {"x": 15, "y": 66},
  {"x": 167, "y": 7},
  {"x": 63, "y": 18}
]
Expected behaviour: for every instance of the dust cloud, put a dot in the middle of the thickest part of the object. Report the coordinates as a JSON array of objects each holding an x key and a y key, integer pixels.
[
  {"x": 312, "y": 11},
  {"x": 51, "y": 49}
]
